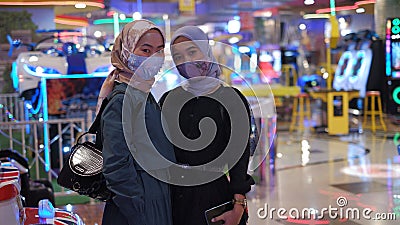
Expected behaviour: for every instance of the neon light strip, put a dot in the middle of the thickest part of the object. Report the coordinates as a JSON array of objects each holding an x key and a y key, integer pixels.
[
  {"x": 395, "y": 95},
  {"x": 14, "y": 75},
  {"x": 86, "y": 75},
  {"x": 71, "y": 23},
  {"x": 111, "y": 21},
  {"x": 341, "y": 8},
  {"x": 316, "y": 16},
  {"x": 333, "y": 7},
  {"x": 365, "y": 2},
  {"x": 388, "y": 56},
  {"x": 344, "y": 8},
  {"x": 65, "y": 34},
  {"x": 388, "y": 59},
  {"x": 45, "y": 125},
  {"x": 60, "y": 76},
  {"x": 71, "y": 17},
  {"x": 94, "y": 4}
]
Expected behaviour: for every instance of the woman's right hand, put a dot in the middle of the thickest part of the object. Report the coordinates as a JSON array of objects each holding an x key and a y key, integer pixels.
[{"x": 231, "y": 217}]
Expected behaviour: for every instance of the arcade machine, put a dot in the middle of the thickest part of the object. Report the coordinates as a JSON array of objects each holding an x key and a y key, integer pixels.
[
  {"x": 340, "y": 81},
  {"x": 336, "y": 100},
  {"x": 289, "y": 65},
  {"x": 270, "y": 65},
  {"x": 393, "y": 67},
  {"x": 64, "y": 72},
  {"x": 361, "y": 65},
  {"x": 245, "y": 65}
]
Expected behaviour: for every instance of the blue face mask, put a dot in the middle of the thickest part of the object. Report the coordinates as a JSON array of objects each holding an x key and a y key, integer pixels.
[{"x": 145, "y": 67}]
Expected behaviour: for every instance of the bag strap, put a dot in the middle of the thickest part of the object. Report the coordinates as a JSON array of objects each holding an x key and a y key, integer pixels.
[{"x": 96, "y": 124}]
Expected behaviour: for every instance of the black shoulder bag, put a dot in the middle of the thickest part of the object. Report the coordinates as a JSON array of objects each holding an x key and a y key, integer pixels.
[{"x": 82, "y": 172}]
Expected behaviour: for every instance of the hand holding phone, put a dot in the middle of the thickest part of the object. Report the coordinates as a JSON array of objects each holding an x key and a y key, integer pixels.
[{"x": 216, "y": 211}]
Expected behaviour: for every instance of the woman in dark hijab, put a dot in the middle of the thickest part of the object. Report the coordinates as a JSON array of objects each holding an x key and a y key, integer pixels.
[{"x": 204, "y": 97}]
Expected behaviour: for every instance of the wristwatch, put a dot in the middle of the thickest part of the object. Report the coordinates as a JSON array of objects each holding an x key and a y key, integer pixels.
[{"x": 242, "y": 202}]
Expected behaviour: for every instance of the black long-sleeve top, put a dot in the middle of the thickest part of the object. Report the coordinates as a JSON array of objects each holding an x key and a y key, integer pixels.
[{"x": 195, "y": 110}]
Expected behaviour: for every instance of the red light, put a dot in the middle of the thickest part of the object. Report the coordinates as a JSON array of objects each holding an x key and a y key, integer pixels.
[
  {"x": 365, "y": 2},
  {"x": 340, "y": 8},
  {"x": 110, "y": 13}
]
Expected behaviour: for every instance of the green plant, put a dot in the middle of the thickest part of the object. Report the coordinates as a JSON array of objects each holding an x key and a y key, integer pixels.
[{"x": 15, "y": 21}]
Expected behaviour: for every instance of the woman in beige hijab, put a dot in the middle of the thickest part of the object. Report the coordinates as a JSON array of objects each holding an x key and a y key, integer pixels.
[{"x": 128, "y": 157}]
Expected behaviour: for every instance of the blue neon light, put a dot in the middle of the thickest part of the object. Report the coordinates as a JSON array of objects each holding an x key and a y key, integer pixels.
[
  {"x": 395, "y": 29},
  {"x": 396, "y": 22},
  {"x": 102, "y": 69},
  {"x": 14, "y": 75},
  {"x": 59, "y": 76},
  {"x": 45, "y": 125},
  {"x": 39, "y": 104},
  {"x": 388, "y": 69},
  {"x": 395, "y": 95},
  {"x": 45, "y": 70}
]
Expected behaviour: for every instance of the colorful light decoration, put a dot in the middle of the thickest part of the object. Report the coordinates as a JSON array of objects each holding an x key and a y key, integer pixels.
[
  {"x": 94, "y": 3},
  {"x": 392, "y": 33},
  {"x": 395, "y": 95},
  {"x": 340, "y": 8},
  {"x": 344, "y": 8},
  {"x": 333, "y": 7},
  {"x": 316, "y": 16},
  {"x": 365, "y": 2},
  {"x": 111, "y": 21},
  {"x": 71, "y": 20},
  {"x": 388, "y": 56}
]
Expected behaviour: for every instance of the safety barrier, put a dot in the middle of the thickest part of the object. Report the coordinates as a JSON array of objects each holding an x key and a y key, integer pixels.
[
  {"x": 27, "y": 137},
  {"x": 11, "y": 108}
]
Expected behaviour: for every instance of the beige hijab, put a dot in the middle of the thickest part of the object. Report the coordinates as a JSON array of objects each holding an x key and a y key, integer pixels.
[{"x": 124, "y": 45}]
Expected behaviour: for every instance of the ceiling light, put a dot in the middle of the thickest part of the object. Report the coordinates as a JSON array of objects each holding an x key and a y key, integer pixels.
[
  {"x": 302, "y": 26},
  {"x": 360, "y": 10},
  {"x": 80, "y": 5},
  {"x": 97, "y": 34},
  {"x": 244, "y": 49},
  {"x": 233, "y": 26},
  {"x": 267, "y": 14},
  {"x": 137, "y": 16},
  {"x": 122, "y": 16},
  {"x": 233, "y": 40},
  {"x": 308, "y": 2}
]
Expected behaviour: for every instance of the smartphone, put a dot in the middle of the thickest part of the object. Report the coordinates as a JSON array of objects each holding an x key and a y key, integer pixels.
[{"x": 216, "y": 211}]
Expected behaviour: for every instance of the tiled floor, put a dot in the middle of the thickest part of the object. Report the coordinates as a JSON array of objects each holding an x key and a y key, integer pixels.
[{"x": 353, "y": 173}]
